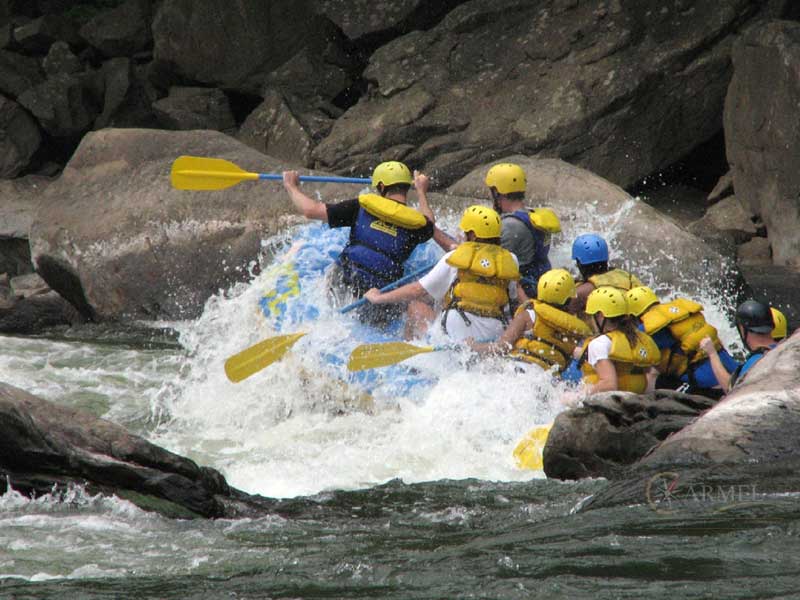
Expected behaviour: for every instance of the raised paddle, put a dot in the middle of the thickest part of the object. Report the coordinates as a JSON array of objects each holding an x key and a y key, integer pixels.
[
  {"x": 198, "y": 173},
  {"x": 253, "y": 359},
  {"x": 528, "y": 453}
]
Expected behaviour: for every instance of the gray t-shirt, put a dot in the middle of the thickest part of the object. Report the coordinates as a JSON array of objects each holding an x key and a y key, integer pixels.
[{"x": 516, "y": 237}]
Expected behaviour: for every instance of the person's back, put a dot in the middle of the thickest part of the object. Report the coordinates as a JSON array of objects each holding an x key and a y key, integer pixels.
[
  {"x": 677, "y": 327},
  {"x": 526, "y": 232},
  {"x": 590, "y": 253}
]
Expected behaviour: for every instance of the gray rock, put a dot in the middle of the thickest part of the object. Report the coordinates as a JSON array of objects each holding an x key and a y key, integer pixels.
[
  {"x": 614, "y": 430},
  {"x": 205, "y": 41},
  {"x": 60, "y": 59},
  {"x": 762, "y": 132},
  {"x": 43, "y": 445},
  {"x": 18, "y": 73},
  {"x": 63, "y": 105},
  {"x": 634, "y": 228},
  {"x": 359, "y": 18},
  {"x": 726, "y": 216},
  {"x": 623, "y": 89},
  {"x": 194, "y": 108},
  {"x": 776, "y": 285},
  {"x": 272, "y": 129},
  {"x": 723, "y": 188},
  {"x": 757, "y": 251},
  {"x": 31, "y": 284},
  {"x": 121, "y": 31},
  {"x": 19, "y": 138},
  {"x": 150, "y": 251},
  {"x": 33, "y": 314}
]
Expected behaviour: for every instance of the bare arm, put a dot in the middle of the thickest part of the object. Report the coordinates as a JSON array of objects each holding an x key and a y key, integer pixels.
[
  {"x": 720, "y": 372},
  {"x": 408, "y": 292},
  {"x": 445, "y": 241},
  {"x": 421, "y": 183},
  {"x": 607, "y": 377},
  {"x": 519, "y": 324},
  {"x": 308, "y": 207}
]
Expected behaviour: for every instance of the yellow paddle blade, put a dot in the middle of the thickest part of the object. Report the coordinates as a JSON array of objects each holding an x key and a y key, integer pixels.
[
  {"x": 197, "y": 173},
  {"x": 253, "y": 359},
  {"x": 528, "y": 452},
  {"x": 372, "y": 356}
]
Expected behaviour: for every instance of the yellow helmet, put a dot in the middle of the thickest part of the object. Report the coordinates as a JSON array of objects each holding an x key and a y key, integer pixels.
[
  {"x": 390, "y": 173},
  {"x": 780, "y": 324},
  {"x": 483, "y": 221},
  {"x": 506, "y": 178},
  {"x": 640, "y": 299},
  {"x": 607, "y": 300},
  {"x": 555, "y": 287}
]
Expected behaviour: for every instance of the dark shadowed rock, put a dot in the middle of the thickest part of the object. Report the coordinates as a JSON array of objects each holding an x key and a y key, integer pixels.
[
  {"x": 38, "y": 35},
  {"x": 121, "y": 31},
  {"x": 34, "y": 313},
  {"x": 614, "y": 430},
  {"x": 60, "y": 59},
  {"x": 623, "y": 89},
  {"x": 359, "y": 18},
  {"x": 18, "y": 73},
  {"x": 116, "y": 239},
  {"x": 207, "y": 42},
  {"x": 63, "y": 105},
  {"x": 116, "y": 76},
  {"x": 573, "y": 192},
  {"x": 762, "y": 132},
  {"x": 194, "y": 108},
  {"x": 19, "y": 138},
  {"x": 42, "y": 445}
]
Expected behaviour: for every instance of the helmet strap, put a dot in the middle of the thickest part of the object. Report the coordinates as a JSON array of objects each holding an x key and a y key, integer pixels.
[{"x": 600, "y": 328}]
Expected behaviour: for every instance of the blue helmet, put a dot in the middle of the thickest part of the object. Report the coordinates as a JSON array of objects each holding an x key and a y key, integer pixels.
[{"x": 589, "y": 248}]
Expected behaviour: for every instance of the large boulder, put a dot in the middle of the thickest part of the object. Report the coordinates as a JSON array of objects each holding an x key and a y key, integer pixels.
[
  {"x": 117, "y": 240},
  {"x": 623, "y": 89},
  {"x": 612, "y": 431},
  {"x": 749, "y": 438},
  {"x": 43, "y": 445},
  {"x": 641, "y": 239},
  {"x": 206, "y": 41},
  {"x": 762, "y": 132}
]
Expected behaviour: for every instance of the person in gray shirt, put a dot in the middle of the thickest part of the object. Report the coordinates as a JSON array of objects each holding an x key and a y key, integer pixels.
[{"x": 526, "y": 232}]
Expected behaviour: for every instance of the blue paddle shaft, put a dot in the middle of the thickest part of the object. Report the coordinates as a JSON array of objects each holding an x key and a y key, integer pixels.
[
  {"x": 402, "y": 281},
  {"x": 317, "y": 178}
]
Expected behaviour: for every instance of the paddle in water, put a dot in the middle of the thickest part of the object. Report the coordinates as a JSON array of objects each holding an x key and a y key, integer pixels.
[
  {"x": 251, "y": 360},
  {"x": 198, "y": 173}
]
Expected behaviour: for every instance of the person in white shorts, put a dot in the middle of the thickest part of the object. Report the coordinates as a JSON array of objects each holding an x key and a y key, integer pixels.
[{"x": 474, "y": 283}]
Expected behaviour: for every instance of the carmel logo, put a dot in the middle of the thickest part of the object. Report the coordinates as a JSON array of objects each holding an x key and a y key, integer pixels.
[
  {"x": 666, "y": 489},
  {"x": 486, "y": 263}
]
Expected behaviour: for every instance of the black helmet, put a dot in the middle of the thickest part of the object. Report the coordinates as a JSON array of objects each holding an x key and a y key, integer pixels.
[{"x": 755, "y": 316}]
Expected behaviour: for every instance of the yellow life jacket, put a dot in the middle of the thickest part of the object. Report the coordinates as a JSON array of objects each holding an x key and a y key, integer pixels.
[
  {"x": 481, "y": 286},
  {"x": 554, "y": 336},
  {"x": 615, "y": 278},
  {"x": 631, "y": 363},
  {"x": 392, "y": 212},
  {"x": 688, "y": 326}
]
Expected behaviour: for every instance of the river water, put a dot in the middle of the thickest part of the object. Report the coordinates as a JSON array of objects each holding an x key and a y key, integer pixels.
[{"x": 408, "y": 493}]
